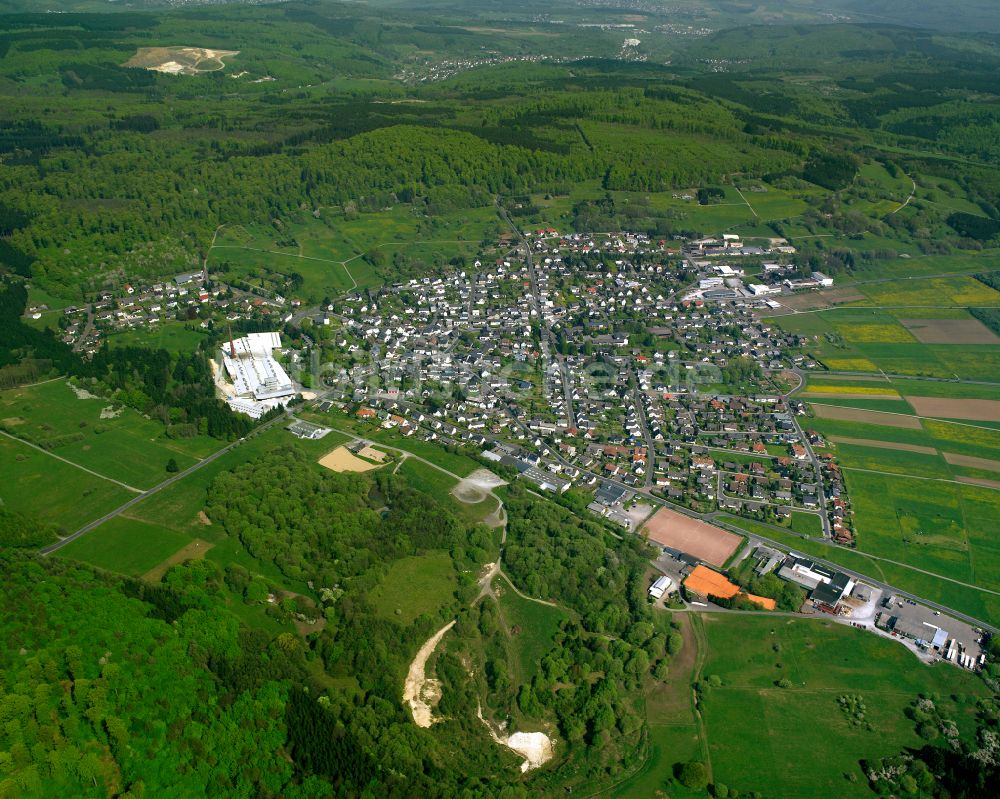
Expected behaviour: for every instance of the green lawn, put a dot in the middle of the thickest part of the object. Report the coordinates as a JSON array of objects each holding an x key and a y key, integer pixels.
[
  {"x": 126, "y": 546},
  {"x": 806, "y": 523},
  {"x": 414, "y": 586}
]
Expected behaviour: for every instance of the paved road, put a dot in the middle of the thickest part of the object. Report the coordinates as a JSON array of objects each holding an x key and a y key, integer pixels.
[
  {"x": 154, "y": 490},
  {"x": 548, "y": 338}
]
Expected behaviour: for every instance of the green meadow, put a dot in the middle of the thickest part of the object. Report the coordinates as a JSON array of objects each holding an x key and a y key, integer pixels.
[
  {"x": 36, "y": 484},
  {"x": 123, "y": 446},
  {"x": 756, "y": 736},
  {"x": 761, "y": 736},
  {"x": 415, "y": 586},
  {"x": 126, "y": 546},
  {"x": 336, "y": 252}
]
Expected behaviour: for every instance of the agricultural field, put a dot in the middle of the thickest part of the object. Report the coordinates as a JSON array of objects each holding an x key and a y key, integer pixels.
[
  {"x": 942, "y": 527},
  {"x": 115, "y": 442},
  {"x": 414, "y": 586},
  {"x": 928, "y": 338}
]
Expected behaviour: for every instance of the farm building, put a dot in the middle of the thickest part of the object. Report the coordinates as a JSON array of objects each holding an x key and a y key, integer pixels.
[{"x": 828, "y": 587}]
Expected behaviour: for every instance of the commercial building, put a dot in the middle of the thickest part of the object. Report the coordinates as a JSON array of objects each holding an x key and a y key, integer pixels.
[{"x": 259, "y": 381}]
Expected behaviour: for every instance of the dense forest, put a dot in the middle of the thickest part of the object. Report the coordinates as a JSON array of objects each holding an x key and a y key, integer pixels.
[
  {"x": 135, "y": 171},
  {"x": 101, "y": 670}
]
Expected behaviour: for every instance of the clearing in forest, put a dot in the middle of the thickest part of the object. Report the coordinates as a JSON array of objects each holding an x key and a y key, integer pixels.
[{"x": 180, "y": 60}]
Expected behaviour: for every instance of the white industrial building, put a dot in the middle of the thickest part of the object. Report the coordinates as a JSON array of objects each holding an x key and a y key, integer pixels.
[
  {"x": 663, "y": 585},
  {"x": 260, "y": 384}
]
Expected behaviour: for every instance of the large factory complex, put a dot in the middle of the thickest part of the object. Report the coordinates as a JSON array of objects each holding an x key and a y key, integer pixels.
[{"x": 258, "y": 382}]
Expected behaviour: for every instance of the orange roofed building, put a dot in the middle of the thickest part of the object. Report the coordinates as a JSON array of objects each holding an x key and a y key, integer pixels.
[{"x": 705, "y": 582}]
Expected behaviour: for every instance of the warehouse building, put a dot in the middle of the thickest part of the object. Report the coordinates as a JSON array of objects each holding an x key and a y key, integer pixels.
[{"x": 259, "y": 383}]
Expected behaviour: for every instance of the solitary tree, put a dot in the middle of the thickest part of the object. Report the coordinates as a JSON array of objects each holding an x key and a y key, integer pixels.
[
  {"x": 171, "y": 465},
  {"x": 692, "y": 775}
]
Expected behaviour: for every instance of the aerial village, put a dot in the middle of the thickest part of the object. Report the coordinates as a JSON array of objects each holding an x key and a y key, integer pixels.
[{"x": 621, "y": 366}]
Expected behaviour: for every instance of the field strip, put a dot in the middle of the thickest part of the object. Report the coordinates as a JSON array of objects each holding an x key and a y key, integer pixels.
[
  {"x": 870, "y": 442},
  {"x": 847, "y": 395},
  {"x": 77, "y": 465},
  {"x": 985, "y": 464},
  {"x": 982, "y": 482},
  {"x": 980, "y": 410},
  {"x": 886, "y": 418},
  {"x": 904, "y": 475},
  {"x": 859, "y": 415}
]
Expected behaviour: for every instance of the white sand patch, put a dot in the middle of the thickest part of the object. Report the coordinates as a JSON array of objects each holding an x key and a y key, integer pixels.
[
  {"x": 82, "y": 393},
  {"x": 169, "y": 68},
  {"x": 343, "y": 460},
  {"x": 420, "y": 692},
  {"x": 110, "y": 412},
  {"x": 477, "y": 486},
  {"x": 536, "y": 748}
]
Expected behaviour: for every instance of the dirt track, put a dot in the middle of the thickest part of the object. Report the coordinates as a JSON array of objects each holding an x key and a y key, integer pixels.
[{"x": 419, "y": 691}]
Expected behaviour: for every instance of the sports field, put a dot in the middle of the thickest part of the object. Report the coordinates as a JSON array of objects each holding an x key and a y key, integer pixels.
[
  {"x": 708, "y": 543},
  {"x": 342, "y": 459}
]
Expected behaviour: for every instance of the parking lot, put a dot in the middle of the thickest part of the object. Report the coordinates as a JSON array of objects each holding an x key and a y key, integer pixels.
[{"x": 966, "y": 635}]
